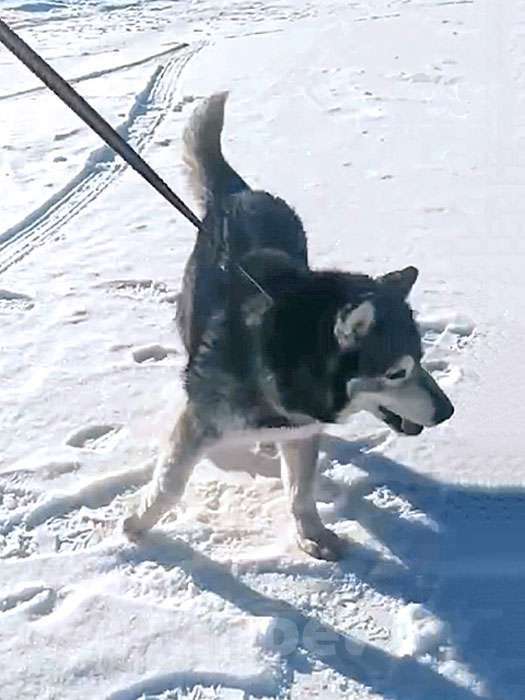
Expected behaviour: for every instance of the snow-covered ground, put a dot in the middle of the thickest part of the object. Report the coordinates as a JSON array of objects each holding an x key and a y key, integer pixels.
[{"x": 395, "y": 128}]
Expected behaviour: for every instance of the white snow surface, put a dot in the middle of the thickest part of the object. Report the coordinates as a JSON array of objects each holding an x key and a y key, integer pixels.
[{"x": 395, "y": 128}]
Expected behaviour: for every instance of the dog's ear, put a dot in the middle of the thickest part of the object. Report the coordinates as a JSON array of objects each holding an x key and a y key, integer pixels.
[
  {"x": 400, "y": 281},
  {"x": 352, "y": 323}
]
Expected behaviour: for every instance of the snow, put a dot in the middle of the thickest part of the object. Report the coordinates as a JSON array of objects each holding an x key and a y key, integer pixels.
[
  {"x": 395, "y": 129},
  {"x": 418, "y": 632}
]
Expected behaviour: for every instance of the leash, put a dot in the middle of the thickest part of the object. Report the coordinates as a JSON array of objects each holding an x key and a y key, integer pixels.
[{"x": 65, "y": 92}]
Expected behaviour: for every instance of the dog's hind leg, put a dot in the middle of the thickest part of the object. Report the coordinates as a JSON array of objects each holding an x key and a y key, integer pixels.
[
  {"x": 171, "y": 474},
  {"x": 298, "y": 471}
]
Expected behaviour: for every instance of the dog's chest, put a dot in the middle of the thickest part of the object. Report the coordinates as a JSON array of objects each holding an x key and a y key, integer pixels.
[{"x": 248, "y": 414}]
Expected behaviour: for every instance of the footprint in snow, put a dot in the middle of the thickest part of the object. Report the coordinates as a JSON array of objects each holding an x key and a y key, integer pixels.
[
  {"x": 13, "y": 301},
  {"x": 136, "y": 284},
  {"x": 66, "y": 135},
  {"x": 77, "y": 317},
  {"x": 154, "y": 352},
  {"x": 435, "y": 210},
  {"x": 443, "y": 337},
  {"x": 33, "y": 600},
  {"x": 94, "y": 437},
  {"x": 138, "y": 289},
  {"x": 187, "y": 99}
]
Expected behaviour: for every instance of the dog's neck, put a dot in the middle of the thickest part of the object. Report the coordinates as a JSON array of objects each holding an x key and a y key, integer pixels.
[
  {"x": 292, "y": 372},
  {"x": 291, "y": 330}
]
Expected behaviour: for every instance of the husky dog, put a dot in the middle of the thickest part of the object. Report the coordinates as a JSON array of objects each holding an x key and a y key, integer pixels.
[{"x": 277, "y": 350}]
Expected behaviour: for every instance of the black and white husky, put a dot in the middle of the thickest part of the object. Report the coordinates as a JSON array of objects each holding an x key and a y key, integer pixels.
[{"x": 277, "y": 350}]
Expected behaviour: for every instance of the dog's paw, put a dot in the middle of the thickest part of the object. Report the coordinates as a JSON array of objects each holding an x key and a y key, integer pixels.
[{"x": 324, "y": 545}]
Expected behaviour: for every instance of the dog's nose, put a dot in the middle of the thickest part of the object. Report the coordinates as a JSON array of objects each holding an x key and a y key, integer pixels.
[{"x": 443, "y": 412}]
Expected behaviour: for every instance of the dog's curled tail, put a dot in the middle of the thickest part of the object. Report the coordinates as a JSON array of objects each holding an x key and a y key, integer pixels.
[{"x": 211, "y": 177}]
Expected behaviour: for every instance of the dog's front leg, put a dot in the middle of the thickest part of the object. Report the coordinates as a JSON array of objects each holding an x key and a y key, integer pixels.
[
  {"x": 298, "y": 471},
  {"x": 171, "y": 474}
]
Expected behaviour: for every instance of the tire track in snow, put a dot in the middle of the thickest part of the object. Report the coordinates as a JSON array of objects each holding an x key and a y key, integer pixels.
[
  {"x": 102, "y": 167},
  {"x": 98, "y": 73}
]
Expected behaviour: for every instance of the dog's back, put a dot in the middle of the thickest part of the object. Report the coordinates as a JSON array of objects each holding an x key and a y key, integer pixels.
[{"x": 237, "y": 221}]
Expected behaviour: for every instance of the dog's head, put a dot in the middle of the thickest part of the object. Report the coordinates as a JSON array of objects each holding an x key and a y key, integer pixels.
[{"x": 379, "y": 359}]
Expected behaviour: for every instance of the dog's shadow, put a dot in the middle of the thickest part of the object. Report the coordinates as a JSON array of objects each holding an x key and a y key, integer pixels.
[{"x": 468, "y": 570}]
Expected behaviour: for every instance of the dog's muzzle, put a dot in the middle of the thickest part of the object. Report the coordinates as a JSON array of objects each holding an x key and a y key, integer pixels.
[
  {"x": 418, "y": 403},
  {"x": 441, "y": 407}
]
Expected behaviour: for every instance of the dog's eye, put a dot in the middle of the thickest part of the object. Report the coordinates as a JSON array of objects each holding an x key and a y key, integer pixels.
[{"x": 397, "y": 374}]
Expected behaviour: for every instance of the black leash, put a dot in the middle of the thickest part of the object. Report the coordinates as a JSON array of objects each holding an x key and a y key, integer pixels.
[
  {"x": 85, "y": 111},
  {"x": 65, "y": 92}
]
